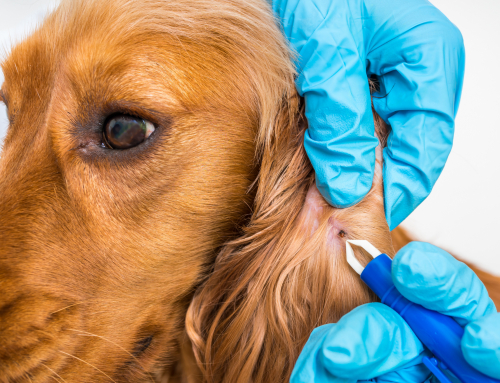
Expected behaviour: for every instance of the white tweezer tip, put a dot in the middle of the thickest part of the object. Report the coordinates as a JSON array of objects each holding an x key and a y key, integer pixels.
[{"x": 351, "y": 259}]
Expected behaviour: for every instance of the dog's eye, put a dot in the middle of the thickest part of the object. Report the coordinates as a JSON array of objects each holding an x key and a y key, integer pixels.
[{"x": 123, "y": 131}]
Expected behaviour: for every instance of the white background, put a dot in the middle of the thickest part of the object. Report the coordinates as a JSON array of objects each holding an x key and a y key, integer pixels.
[{"x": 462, "y": 214}]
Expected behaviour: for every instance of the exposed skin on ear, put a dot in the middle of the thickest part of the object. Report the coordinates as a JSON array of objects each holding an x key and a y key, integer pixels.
[
  {"x": 341, "y": 221},
  {"x": 315, "y": 204}
]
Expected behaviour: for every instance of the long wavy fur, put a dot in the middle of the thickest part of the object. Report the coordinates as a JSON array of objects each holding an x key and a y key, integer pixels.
[{"x": 286, "y": 274}]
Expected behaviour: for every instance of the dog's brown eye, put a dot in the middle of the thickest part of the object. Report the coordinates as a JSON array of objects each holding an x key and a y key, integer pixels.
[{"x": 123, "y": 132}]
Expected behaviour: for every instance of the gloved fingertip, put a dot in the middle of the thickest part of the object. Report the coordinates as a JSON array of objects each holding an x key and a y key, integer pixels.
[
  {"x": 369, "y": 341},
  {"x": 414, "y": 266},
  {"x": 343, "y": 162},
  {"x": 433, "y": 278},
  {"x": 396, "y": 213},
  {"x": 422, "y": 273},
  {"x": 481, "y": 345},
  {"x": 345, "y": 196}
]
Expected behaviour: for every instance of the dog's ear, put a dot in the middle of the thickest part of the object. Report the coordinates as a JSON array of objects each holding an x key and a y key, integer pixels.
[
  {"x": 286, "y": 274},
  {"x": 229, "y": 319}
]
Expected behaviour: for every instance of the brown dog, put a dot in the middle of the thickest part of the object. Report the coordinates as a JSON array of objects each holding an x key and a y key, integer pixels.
[{"x": 107, "y": 238}]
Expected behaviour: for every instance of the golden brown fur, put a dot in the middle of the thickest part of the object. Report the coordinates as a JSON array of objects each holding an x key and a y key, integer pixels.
[{"x": 101, "y": 251}]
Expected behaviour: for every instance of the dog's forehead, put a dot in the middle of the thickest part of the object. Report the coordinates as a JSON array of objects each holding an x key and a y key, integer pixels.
[
  {"x": 77, "y": 45},
  {"x": 138, "y": 45},
  {"x": 35, "y": 64}
]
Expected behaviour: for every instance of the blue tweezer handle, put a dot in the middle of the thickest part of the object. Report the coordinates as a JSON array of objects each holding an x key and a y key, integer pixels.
[
  {"x": 441, "y": 334},
  {"x": 432, "y": 364}
]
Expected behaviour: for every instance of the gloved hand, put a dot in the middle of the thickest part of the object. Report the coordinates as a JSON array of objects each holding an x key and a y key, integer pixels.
[
  {"x": 418, "y": 56},
  {"x": 373, "y": 342}
]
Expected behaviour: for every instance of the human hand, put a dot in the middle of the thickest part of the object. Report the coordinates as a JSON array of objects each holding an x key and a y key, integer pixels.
[
  {"x": 373, "y": 342},
  {"x": 417, "y": 55}
]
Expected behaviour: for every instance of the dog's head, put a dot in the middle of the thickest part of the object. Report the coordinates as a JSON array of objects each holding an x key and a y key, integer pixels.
[{"x": 134, "y": 128}]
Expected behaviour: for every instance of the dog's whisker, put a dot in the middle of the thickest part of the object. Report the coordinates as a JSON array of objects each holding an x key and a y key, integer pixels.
[
  {"x": 87, "y": 363},
  {"x": 55, "y": 373},
  {"x": 86, "y": 333},
  {"x": 67, "y": 307}
]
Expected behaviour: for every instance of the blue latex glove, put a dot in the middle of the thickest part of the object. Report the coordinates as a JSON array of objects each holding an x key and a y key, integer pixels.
[
  {"x": 374, "y": 343},
  {"x": 419, "y": 57}
]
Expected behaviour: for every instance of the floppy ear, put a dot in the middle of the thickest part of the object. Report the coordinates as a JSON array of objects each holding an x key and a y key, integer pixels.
[
  {"x": 228, "y": 320},
  {"x": 285, "y": 275}
]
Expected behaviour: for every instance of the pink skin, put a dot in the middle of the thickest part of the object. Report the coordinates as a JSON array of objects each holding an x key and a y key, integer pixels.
[
  {"x": 312, "y": 212},
  {"x": 315, "y": 204},
  {"x": 313, "y": 209}
]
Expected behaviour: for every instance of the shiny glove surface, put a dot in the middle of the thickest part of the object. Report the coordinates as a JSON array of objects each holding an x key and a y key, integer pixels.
[
  {"x": 417, "y": 55},
  {"x": 373, "y": 343}
]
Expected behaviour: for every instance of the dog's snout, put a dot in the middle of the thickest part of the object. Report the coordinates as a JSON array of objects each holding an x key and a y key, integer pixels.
[
  {"x": 32, "y": 329},
  {"x": 21, "y": 318}
]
